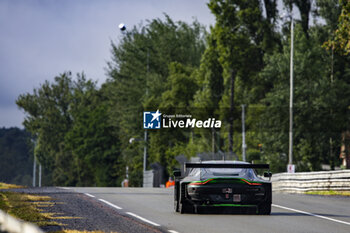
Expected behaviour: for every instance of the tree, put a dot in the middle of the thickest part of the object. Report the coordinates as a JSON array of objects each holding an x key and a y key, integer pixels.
[
  {"x": 319, "y": 104},
  {"x": 75, "y": 144},
  {"x": 337, "y": 16},
  {"x": 239, "y": 33},
  {"x": 139, "y": 73},
  {"x": 91, "y": 140},
  {"x": 209, "y": 78},
  {"x": 176, "y": 100},
  {"x": 16, "y": 156},
  {"x": 341, "y": 40},
  {"x": 48, "y": 119},
  {"x": 330, "y": 12},
  {"x": 304, "y": 7}
]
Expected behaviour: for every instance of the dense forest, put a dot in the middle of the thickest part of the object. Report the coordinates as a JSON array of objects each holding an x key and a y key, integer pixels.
[
  {"x": 82, "y": 131},
  {"x": 16, "y": 156}
]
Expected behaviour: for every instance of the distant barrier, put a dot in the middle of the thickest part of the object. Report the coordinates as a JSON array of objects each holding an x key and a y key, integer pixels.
[
  {"x": 154, "y": 177},
  {"x": 148, "y": 179},
  {"x": 301, "y": 182},
  {"x": 13, "y": 225}
]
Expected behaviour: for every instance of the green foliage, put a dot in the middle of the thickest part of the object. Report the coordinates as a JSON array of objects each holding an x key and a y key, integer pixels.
[
  {"x": 304, "y": 7},
  {"x": 16, "y": 156},
  {"x": 209, "y": 78},
  {"x": 341, "y": 40},
  {"x": 91, "y": 139},
  {"x": 179, "y": 95},
  {"x": 83, "y": 132},
  {"x": 75, "y": 143},
  {"x": 187, "y": 149},
  {"x": 329, "y": 11},
  {"x": 177, "y": 99},
  {"x": 151, "y": 69},
  {"x": 318, "y": 113}
]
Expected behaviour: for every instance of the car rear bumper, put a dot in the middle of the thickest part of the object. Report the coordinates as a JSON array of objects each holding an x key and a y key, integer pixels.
[
  {"x": 216, "y": 194},
  {"x": 222, "y": 209}
]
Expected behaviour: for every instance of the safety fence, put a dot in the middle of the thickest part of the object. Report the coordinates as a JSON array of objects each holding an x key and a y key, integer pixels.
[
  {"x": 13, "y": 225},
  {"x": 301, "y": 182}
]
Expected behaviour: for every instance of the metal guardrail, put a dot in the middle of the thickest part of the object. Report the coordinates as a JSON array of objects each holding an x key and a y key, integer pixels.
[
  {"x": 13, "y": 225},
  {"x": 301, "y": 182}
]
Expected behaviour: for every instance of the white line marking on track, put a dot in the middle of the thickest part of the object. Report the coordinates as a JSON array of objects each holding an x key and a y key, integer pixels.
[
  {"x": 108, "y": 203},
  {"x": 311, "y": 214},
  {"x": 143, "y": 219},
  {"x": 88, "y": 194},
  {"x": 172, "y": 231}
]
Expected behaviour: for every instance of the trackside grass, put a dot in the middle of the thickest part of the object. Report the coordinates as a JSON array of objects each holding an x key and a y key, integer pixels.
[
  {"x": 31, "y": 208},
  {"x": 330, "y": 193},
  {"x": 10, "y": 186},
  {"x": 27, "y": 207}
]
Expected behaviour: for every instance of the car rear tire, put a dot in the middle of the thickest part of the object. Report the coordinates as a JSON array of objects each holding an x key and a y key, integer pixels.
[
  {"x": 176, "y": 196},
  {"x": 264, "y": 209},
  {"x": 176, "y": 205},
  {"x": 184, "y": 205},
  {"x": 185, "y": 208}
]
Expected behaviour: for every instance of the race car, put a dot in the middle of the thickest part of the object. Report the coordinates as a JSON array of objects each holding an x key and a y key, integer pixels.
[{"x": 222, "y": 187}]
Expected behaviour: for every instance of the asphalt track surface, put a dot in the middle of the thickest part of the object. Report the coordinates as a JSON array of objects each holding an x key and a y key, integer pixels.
[{"x": 290, "y": 212}]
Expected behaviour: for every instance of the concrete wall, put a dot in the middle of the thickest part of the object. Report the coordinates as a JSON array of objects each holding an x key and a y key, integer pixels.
[
  {"x": 301, "y": 182},
  {"x": 148, "y": 179}
]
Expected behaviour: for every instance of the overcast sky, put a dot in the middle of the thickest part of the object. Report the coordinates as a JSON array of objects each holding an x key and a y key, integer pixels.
[{"x": 40, "y": 39}]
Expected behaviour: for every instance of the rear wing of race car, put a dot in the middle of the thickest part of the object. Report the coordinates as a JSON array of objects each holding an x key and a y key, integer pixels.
[
  {"x": 226, "y": 165},
  {"x": 230, "y": 165}
]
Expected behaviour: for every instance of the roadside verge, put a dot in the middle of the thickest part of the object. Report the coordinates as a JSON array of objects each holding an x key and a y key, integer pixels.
[{"x": 14, "y": 225}]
